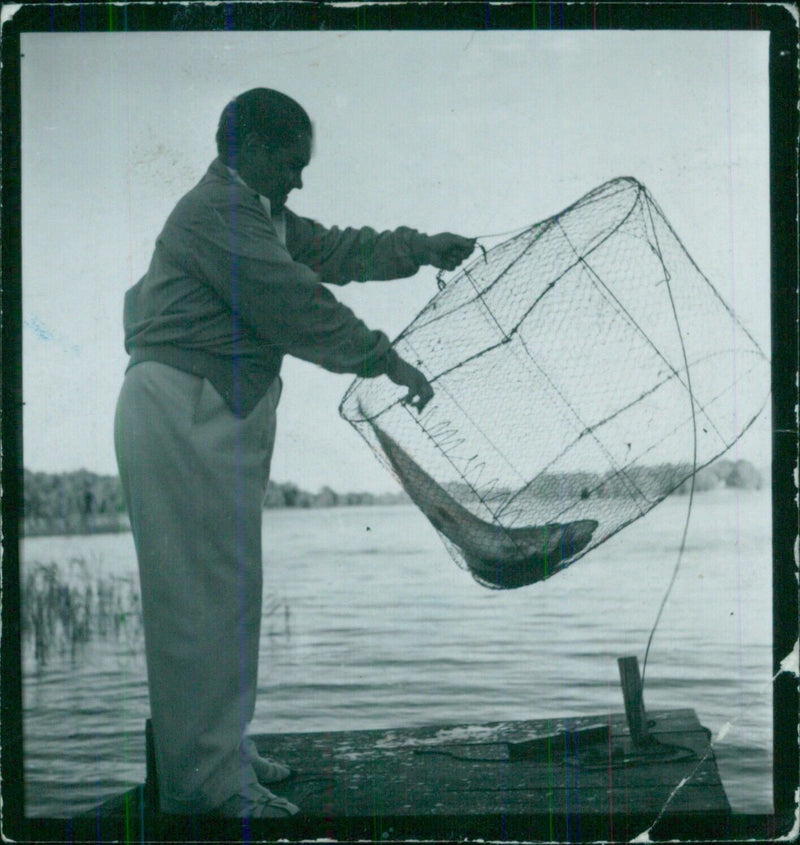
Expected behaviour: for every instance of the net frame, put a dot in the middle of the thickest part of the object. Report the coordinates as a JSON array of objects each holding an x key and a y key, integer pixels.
[{"x": 583, "y": 245}]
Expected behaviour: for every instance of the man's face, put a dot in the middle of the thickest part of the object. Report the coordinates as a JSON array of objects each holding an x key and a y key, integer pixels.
[{"x": 275, "y": 171}]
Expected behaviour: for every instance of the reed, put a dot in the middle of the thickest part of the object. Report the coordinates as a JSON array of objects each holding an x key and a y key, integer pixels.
[
  {"x": 66, "y": 607},
  {"x": 63, "y": 608}
]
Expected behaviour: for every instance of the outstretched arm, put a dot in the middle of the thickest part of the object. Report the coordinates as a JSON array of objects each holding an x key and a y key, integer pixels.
[{"x": 340, "y": 256}]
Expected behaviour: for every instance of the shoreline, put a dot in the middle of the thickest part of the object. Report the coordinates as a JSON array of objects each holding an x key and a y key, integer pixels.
[
  {"x": 75, "y": 527},
  {"x": 90, "y": 526},
  {"x": 83, "y": 503}
]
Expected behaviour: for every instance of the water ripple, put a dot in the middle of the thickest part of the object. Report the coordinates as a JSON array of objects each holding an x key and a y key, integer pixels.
[{"x": 389, "y": 633}]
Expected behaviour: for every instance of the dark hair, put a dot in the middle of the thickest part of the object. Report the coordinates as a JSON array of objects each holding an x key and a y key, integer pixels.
[{"x": 276, "y": 118}]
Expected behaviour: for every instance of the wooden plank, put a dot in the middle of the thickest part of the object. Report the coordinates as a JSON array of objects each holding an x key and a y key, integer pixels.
[
  {"x": 466, "y": 770},
  {"x": 379, "y": 778}
]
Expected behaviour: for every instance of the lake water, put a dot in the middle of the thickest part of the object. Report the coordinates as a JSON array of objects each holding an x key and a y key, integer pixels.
[{"x": 369, "y": 624}]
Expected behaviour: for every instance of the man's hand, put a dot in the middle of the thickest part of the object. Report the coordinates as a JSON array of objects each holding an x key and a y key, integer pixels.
[
  {"x": 445, "y": 250},
  {"x": 420, "y": 391}
]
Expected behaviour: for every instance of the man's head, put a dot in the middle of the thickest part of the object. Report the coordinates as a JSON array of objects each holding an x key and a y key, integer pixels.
[{"x": 266, "y": 136}]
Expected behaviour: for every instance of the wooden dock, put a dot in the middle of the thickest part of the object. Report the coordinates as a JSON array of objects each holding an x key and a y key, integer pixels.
[{"x": 547, "y": 779}]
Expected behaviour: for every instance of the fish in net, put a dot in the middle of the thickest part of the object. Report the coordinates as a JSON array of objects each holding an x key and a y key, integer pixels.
[{"x": 583, "y": 370}]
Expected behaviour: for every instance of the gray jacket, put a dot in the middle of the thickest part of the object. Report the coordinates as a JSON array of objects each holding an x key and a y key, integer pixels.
[{"x": 225, "y": 299}]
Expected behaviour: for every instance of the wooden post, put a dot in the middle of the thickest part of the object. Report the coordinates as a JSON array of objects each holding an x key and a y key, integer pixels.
[
  {"x": 151, "y": 775},
  {"x": 634, "y": 701}
]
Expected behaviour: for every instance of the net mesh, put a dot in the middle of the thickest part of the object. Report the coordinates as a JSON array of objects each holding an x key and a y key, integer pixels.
[{"x": 564, "y": 408}]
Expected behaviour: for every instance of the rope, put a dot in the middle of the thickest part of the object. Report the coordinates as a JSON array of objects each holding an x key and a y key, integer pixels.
[
  {"x": 694, "y": 463},
  {"x": 589, "y": 758},
  {"x": 502, "y": 234},
  {"x": 649, "y": 229}
]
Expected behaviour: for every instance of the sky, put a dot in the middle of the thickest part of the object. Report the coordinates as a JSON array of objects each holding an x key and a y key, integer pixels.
[{"x": 470, "y": 132}]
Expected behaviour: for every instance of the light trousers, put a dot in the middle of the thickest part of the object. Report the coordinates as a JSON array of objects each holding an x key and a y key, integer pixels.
[{"x": 193, "y": 477}]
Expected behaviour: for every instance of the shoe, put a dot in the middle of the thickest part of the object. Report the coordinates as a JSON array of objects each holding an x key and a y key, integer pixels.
[
  {"x": 257, "y": 802},
  {"x": 267, "y": 770}
]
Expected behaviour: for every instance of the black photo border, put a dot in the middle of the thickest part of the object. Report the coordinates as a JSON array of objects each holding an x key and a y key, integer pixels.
[{"x": 780, "y": 20}]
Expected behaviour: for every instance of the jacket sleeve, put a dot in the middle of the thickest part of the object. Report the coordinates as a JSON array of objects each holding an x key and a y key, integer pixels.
[
  {"x": 346, "y": 255},
  {"x": 232, "y": 246}
]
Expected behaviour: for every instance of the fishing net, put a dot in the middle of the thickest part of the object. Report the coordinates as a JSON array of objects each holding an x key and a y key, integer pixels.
[{"x": 583, "y": 370}]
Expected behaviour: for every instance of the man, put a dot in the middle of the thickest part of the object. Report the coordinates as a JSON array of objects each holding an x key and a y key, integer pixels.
[{"x": 234, "y": 284}]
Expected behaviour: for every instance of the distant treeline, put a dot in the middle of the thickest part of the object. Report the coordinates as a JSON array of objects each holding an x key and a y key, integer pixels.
[
  {"x": 289, "y": 495},
  {"x": 741, "y": 475},
  {"x": 80, "y": 502},
  {"x": 83, "y": 502},
  {"x": 652, "y": 481}
]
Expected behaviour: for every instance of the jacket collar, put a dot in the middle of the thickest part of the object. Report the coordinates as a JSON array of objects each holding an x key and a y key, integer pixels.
[{"x": 220, "y": 170}]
